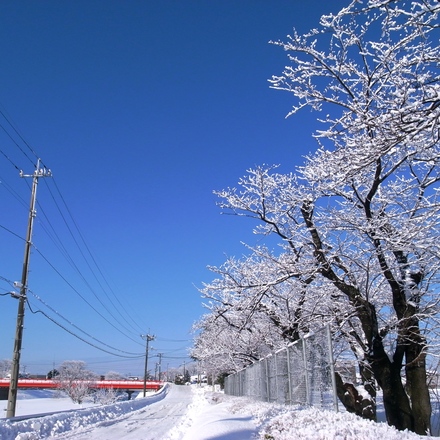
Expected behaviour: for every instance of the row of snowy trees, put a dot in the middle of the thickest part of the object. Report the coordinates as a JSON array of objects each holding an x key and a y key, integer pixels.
[{"x": 358, "y": 224}]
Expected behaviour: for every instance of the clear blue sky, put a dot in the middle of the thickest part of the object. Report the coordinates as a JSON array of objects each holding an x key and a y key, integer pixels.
[{"x": 140, "y": 109}]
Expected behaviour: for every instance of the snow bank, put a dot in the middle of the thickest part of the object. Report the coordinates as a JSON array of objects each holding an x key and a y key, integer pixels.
[
  {"x": 54, "y": 424},
  {"x": 316, "y": 424},
  {"x": 216, "y": 415},
  {"x": 278, "y": 422}
]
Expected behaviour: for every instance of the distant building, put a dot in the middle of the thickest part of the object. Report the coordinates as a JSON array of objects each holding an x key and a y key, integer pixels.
[{"x": 199, "y": 378}]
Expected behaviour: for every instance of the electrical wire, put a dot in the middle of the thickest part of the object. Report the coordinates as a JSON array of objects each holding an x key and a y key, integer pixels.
[
  {"x": 8, "y": 120},
  {"x": 8, "y": 292},
  {"x": 59, "y": 243},
  {"x": 121, "y": 305},
  {"x": 103, "y": 304},
  {"x": 60, "y": 246},
  {"x": 9, "y": 159},
  {"x": 132, "y": 355},
  {"x": 16, "y": 144},
  {"x": 82, "y": 297},
  {"x": 12, "y": 232},
  {"x": 79, "y": 337},
  {"x": 75, "y": 326},
  {"x": 7, "y": 280},
  {"x": 66, "y": 254},
  {"x": 12, "y": 192}
]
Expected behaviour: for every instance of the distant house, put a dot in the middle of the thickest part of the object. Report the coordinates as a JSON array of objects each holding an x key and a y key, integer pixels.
[{"x": 199, "y": 378}]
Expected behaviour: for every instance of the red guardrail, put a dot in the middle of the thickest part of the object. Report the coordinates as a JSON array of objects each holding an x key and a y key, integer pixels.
[{"x": 110, "y": 384}]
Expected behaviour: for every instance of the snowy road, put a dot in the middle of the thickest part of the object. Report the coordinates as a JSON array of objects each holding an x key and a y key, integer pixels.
[
  {"x": 194, "y": 413},
  {"x": 174, "y": 413},
  {"x": 152, "y": 422}
]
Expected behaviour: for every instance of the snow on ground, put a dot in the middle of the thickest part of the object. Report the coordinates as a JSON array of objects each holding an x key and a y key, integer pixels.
[
  {"x": 41, "y": 401},
  {"x": 189, "y": 413}
]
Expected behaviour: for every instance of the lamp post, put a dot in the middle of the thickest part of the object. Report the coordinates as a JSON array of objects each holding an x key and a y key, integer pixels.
[{"x": 148, "y": 338}]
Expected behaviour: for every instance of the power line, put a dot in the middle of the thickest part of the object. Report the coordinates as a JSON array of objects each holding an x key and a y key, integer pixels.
[
  {"x": 17, "y": 145},
  {"x": 76, "y": 327},
  {"x": 82, "y": 297},
  {"x": 121, "y": 305},
  {"x": 12, "y": 191},
  {"x": 10, "y": 160},
  {"x": 60, "y": 246},
  {"x": 135, "y": 355},
  {"x": 79, "y": 337},
  {"x": 11, "y": 232},
  {"x": 59, "y": 243},
  {"x": 7, "y": 280},
  {"x": 121, "y": 319},
  {"x": 7, "y": 119}
]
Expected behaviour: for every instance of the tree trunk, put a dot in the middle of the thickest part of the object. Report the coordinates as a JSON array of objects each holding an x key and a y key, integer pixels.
[
  {"x": 369, "y": 382},
  {"x": 419, "y": 395},
  {"x": 353, "y": 401},
  {"x": 400, "y": 412},
  {"x": 416, "y": 382},
  {"x": 395, "y": 399}
]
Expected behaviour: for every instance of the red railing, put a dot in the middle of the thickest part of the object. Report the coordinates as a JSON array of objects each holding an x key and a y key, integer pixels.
[{"x": 109, "y": 384}]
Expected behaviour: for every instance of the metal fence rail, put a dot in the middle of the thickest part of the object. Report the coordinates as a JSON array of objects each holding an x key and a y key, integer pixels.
[{"x": 302, "y": 373}]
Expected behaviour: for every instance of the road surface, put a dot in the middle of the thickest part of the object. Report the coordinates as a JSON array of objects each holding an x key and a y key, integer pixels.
[{"x": 153, "y": 422}]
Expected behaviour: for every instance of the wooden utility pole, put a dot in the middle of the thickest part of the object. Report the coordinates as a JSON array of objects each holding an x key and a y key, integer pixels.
[{"x": 15, "y": 368}]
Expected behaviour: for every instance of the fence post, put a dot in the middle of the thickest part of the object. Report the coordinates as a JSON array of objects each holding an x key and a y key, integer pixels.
[
  {"x": 267, "y": 380},
  {"x": 306, "y": 373},
  {"x": 289, "y": 379},
  {"x": 276, "y": 376},
  {"x": 332, "y": 367}
]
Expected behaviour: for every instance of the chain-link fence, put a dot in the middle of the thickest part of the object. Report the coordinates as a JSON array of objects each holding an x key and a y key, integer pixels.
[{"x": 302, "y": 373}]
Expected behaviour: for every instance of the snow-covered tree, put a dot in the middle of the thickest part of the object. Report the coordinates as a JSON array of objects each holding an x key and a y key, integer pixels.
[
  {"x": 114, "y": 375},
  {"x": 106, "y": 396},
  {"x": 359, "y": 221},
  {"x": 75, "y": 380},
  {"x": 378, "y": 81},
  {"x": 5, "y": 367},
  {"x": 255, "y": 306}
]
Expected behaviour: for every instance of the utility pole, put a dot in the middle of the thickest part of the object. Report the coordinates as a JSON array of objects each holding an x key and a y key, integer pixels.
[
  {"x": 160, "y": 364},
  {"x": 15, "y": 369},
  {"x": 148, "y": 338}
]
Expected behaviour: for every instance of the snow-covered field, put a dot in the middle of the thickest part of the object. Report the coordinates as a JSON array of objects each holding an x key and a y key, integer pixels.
[{"x": 186, "y": 413}]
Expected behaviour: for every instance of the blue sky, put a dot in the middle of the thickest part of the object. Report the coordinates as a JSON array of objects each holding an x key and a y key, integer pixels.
[{"x": 140, "y": 109}]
